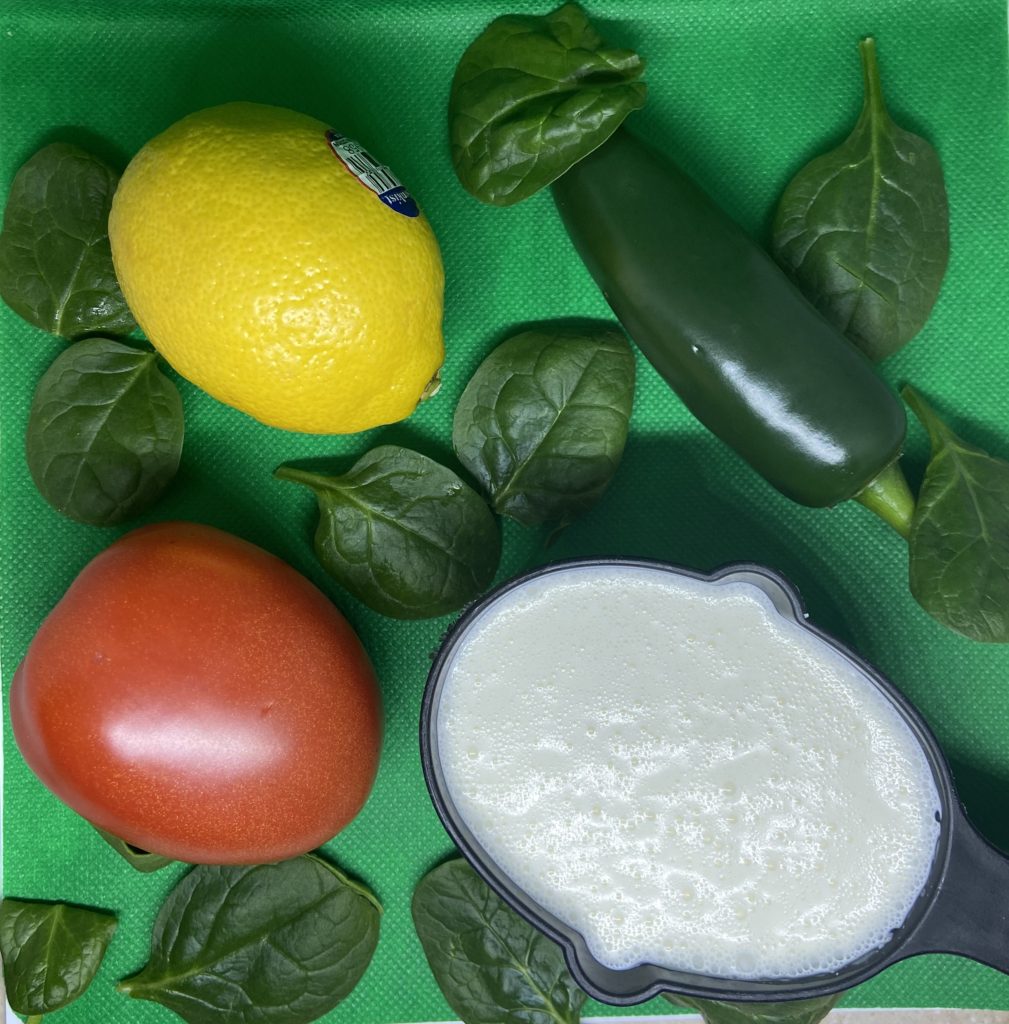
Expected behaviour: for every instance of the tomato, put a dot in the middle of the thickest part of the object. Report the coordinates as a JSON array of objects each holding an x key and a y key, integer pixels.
[{"x": 197, "y": 697}]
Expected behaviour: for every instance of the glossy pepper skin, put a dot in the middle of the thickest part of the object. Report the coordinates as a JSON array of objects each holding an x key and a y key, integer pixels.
[{"x": 728, "y": 330}]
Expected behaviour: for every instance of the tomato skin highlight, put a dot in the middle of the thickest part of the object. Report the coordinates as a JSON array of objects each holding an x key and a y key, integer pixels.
[{"x": 199, "y": 698}]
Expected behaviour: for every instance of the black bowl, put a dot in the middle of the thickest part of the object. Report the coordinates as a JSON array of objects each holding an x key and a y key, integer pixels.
[{"x": 963, "y": 908}]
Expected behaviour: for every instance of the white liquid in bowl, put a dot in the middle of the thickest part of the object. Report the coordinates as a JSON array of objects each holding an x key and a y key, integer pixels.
[{"x": 685, "y": 777}]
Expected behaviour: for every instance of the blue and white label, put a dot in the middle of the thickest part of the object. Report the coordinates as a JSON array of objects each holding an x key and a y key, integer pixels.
[{"x": 373, "y": 175}]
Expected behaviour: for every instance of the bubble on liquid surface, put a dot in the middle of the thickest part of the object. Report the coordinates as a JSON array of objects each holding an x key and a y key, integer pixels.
[{"x": 685, "y": 777}]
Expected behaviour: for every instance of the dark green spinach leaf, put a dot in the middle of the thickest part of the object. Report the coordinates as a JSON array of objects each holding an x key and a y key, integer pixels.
[
  {"x": 51, "y": 952},
  {"x": 402, "y": 533},
  {"x": 492, "y": 967},
  {"x": 104, "y": 432},
  {"x": 864, "y": 229},
  {"x": 267, "y": 944},
  {"x": 533, "y": 95},
  {"x": 543, "y": 422},
  {"x": 959, "y": 541},
  {"x": 801, "y": 1011},
  {"x": 140, "y": 860},
  {"x": 55, "y": 261}
]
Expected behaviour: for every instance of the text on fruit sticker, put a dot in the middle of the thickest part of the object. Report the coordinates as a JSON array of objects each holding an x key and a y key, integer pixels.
[{"x": 372, "y": 174}]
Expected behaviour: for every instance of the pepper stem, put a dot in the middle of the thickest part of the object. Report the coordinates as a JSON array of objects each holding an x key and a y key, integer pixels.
[
  {"x": 35, "y": 1018},
  {"x": 890, "y": 498}
]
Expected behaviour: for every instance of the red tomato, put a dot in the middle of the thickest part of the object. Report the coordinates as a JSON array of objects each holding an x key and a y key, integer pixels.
[{"x": 200, "y": 699}]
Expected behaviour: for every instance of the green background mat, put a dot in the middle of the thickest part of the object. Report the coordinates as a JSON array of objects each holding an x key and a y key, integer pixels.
[{"x": 742, "y": 94}]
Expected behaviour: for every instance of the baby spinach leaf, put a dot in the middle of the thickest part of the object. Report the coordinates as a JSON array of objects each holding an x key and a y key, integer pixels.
[
  {"x": 55, "y": 260},
  {"x": 543, "y": 422},
  {"x": 959, "y": 541},
  {"x": 402, "y": 533},
  {"x": 531, "y": 96},
  {"x": 491, "y": 966},
  {"x": 51, "y": 952},
  {"x": 264, "y": 944},
  {"x": 104, "y": 432},
  {"x": 801, "y": 1011},
  {"x": 864, "y": 229}
]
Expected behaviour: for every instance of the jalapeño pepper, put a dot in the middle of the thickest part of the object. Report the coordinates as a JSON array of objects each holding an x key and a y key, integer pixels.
[{"x": 728, "y": 330}]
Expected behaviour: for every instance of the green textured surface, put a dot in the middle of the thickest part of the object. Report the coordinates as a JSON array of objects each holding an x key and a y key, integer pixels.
[{"x": 742, "y": 93}]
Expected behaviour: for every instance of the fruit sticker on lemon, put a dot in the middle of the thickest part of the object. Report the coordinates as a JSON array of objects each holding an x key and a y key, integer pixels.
[
  {"x": 280, "y": 280},
  {"x": 372, "y": 174}
]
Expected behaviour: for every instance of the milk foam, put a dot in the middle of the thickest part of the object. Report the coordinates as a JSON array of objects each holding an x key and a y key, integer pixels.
[{"x": 685, "y": 777}]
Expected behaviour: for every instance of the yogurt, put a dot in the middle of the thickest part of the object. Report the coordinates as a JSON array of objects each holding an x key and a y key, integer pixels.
[{"x": 683, "y": 775}]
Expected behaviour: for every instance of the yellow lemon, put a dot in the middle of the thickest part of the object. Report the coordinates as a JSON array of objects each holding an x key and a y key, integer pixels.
[{"x": 277, "y": 265}]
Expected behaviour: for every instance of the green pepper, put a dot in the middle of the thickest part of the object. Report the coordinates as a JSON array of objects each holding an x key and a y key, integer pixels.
[
  {"x": 538, "y": 100},
  {"x": 735, "y": 339}
]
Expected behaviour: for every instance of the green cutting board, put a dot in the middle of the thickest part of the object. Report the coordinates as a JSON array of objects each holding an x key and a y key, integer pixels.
[{"x": 742, "y": 93}]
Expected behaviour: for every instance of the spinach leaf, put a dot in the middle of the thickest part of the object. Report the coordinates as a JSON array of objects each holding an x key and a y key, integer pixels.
[
  {"x": 491, "y": 966},
  {"x": 104, "y": 432},
  {"x": 959, "y": 541},
  {"x": 139, "y": 860},
  {"x": 533, "y": 95},
  {"x": 864, "y": 229},
  {"x": 543, "y": 422},
  {"x": 51, "y": 952},
  {"x": 402, "y": 533},
  {"x": 263, "y": 944},
  {"x": 801, "y": 1011},
  {"x": 55, "y": 260}
]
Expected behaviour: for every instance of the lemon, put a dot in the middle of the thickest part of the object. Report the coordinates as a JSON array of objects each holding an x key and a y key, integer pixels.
[{"x": 275, "y": 264}]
